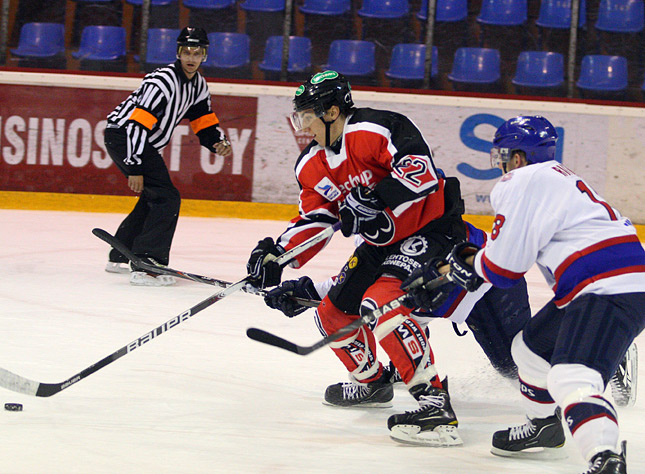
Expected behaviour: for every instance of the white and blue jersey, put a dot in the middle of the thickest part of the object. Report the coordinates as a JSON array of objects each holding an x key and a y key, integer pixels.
[
  {"x": 460, "y": 303},
  {"x": 548, "y": 215}
]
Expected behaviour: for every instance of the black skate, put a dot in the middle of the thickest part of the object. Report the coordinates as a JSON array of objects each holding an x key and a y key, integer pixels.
[
  {"x": 609, "y": 462},
  {"x": 625, "y": 381},
  {"x": 433, "y": 424},
  {"x": 393, "y": 374},
  {"x": 378, "y": 394},
  {"x": 540, "y": 437}
]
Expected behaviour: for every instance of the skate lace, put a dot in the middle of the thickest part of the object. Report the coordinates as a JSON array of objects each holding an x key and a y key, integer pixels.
[
  {"x": 353, "y": 390},
  {"x": 595, "y": 466},
  {"x": 618, "y": 385},
  {"x": 425, "y": 401},
  {"x": 522, "y": 431}
]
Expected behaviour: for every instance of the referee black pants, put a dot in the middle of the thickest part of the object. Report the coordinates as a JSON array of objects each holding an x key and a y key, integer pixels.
[{"x": 149, "y": 229}]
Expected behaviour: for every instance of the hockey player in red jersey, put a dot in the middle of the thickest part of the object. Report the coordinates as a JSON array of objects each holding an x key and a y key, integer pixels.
[
  {"x": 373, "y": 171},
  {"x": 591, "y": 257}
]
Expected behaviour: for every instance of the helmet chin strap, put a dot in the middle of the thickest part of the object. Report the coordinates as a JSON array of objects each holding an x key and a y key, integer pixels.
[{"x": 328, "y": 130}]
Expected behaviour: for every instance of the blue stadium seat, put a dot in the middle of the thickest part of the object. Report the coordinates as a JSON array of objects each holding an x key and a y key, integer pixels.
[
  {"x": 299, "y": 54},
  {"x": 326, "y": 7},
  {"x": 539, "y": 69},
  {"x": 503, "y": 12},
  {"x": 557, "y": 14},
  {"x": 263, "y": 5},
  {"x": 352, "y": 57},
  {"x": 228, "y": 50},
  {"x": 445, "y": 10},
  {"x": 154, "y": 3},
  {"x": 208, "y": 4},
  {"x": 40, "y": 40},
  {"x": 476, "y": 66},
  {"x": 101, "y": 43},
  {"x": 384, "y": 9},
  {"x": 408, "y": 62},
  {"x": 603, "y": 73},
  {"x": 621, "y": 16},
  {"x": 162, "y": 46}
]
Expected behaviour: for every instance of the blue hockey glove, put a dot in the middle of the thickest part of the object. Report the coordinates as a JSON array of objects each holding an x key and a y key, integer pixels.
[
  {"x": 461, "y": 272},
  {"x": 359, "y": 211},
  {"x": 262, "y": 268},
  {"x": 281, "y": 297},
  {"x": 420, "y": 297}
]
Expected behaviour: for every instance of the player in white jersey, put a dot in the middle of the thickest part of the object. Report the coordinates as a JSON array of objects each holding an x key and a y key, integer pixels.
[{"x": 591, "y": 257}]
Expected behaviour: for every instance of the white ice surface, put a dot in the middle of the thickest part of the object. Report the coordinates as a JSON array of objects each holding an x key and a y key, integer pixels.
[{"x": 203, "y": 398}]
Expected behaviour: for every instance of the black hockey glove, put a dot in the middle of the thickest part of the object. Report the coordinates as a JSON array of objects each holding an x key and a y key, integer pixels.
[
  {"x": 359, "y": 210},
  {"x": 461, "y": 272},
  {"x": 281, "y": 297},
  {"x": 262, "y": 268},
  {"x": 419, "y": 297}
]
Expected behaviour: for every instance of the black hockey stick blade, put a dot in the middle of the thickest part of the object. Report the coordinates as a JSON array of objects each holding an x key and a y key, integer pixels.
[
  {"x": 266, "y": 337},
  {"x": 158, "y": 269},
  {"x": 273, "y": 340},
  {"x": 127, "y": 253}
]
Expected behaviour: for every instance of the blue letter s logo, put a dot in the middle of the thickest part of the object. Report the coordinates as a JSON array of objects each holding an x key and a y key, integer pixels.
[{"x": 468, "y": 138}]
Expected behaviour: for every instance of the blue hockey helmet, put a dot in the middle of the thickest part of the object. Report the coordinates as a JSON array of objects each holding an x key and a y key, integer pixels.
[{"x": 534, "y": 135}]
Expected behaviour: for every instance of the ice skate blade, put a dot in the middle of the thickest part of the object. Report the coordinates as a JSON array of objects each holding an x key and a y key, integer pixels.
[
  {"x": 441, "y": 436},
  {"x": 113, "y": 267},
  {"x": 362, "y": 405},
  {"x": 629, "y": 378},
  {"x": 533, "y": 453},
  {"x": 143, "y": 279}
]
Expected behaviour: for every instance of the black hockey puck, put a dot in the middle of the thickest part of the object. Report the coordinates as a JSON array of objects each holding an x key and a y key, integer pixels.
[{"x": 13, "y": 406}]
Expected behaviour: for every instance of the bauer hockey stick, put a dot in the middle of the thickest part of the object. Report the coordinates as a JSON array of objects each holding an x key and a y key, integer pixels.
[
  {"x": 17, "y": 383},
  {"x": 273, "y": 340},
  {"x": 158, "y": 269}
]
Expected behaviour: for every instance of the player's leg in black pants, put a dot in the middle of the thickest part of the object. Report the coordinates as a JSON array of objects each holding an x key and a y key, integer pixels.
[
  {"x": 162, "y": 201},
  {"x": 150, "y": 227},
  {"x": 496, "y": 319}
]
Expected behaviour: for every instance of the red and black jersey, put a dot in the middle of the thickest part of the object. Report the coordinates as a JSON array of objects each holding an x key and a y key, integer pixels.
[{"x": 379, "y": 149}]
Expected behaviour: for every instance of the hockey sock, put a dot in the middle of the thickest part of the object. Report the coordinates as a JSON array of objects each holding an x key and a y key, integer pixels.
[
  {"x": 357, "y": 350},
  {"x": 402, "y": 337}
]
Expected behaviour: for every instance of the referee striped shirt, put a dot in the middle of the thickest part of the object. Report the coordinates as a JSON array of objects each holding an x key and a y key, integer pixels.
[{"x": 151, "y": 113}]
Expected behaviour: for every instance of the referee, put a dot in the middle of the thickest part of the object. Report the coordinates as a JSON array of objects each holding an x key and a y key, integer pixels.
[{"x": 137, "y": 130}]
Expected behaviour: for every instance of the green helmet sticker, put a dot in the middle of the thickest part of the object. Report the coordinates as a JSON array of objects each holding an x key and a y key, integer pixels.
[
  {"x": 300, "y": 90},
  {"x": 323, "y": 76}
]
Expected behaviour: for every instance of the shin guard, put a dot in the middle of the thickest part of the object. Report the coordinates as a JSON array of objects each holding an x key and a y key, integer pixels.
[{"x": 592, "y": 420}]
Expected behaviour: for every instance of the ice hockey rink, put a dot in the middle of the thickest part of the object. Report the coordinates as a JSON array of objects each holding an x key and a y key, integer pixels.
[{"x": 203, "y": 398}]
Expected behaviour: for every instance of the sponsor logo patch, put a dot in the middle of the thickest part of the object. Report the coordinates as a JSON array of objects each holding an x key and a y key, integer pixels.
[
  {"x": 413, "y": 246},
  {"x": 322, "y": 76},
  {"x": 327, "y": 189}
]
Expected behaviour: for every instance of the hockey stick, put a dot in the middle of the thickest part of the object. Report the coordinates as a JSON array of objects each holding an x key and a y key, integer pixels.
[
  {"x": 139, "y": 262},
  {"x": 20, "y": 384},
  {"x": 273, "y": 340}
]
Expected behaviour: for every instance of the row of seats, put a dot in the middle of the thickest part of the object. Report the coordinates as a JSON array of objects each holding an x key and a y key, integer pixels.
[
  {"x": 353, "y": 58},
  {"x": 541, "y": 69},
  {"x": 626, "y": 16}
]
